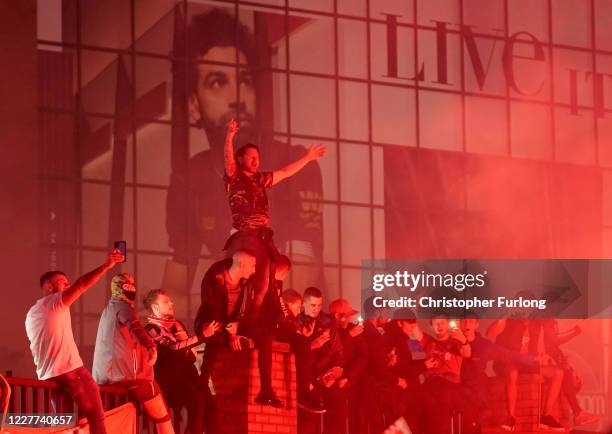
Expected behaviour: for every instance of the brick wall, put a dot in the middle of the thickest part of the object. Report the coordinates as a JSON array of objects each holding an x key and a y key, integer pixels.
[
  {"x": 527, "y": 408},
  {"x": 235, "y": 378}
]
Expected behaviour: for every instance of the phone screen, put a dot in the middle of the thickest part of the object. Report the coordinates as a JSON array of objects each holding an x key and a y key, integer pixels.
[{"x": 122, "y": 247}]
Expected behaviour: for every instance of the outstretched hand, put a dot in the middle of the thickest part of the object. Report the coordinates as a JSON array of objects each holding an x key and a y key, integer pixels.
[
  {"x": 113, "y": 258},
  {"x": 316, "y": 151},
  {"x": 232, "y": 127}
]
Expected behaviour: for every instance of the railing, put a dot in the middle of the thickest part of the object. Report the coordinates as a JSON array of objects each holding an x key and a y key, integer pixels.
[
  {"x": 31, "y": 396},
  {"x": 36, "y": 396}
]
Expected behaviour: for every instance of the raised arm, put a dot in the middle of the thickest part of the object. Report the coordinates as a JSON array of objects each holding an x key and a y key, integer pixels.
[
  {"x": 230, "y": 162},
  {"x": 314, "y": 152},
  {"x": 496, "y": 328},
  {"x": 87, "y": 280}
]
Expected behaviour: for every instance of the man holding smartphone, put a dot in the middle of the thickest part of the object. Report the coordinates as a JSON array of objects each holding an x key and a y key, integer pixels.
[{"x": 49, "y": 329}]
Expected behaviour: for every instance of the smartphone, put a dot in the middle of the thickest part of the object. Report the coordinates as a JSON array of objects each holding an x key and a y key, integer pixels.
[{"x": 122, "y": 247}]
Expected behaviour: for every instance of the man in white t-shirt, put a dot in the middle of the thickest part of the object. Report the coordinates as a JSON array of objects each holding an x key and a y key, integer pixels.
[{"x": 49, "y": 329}]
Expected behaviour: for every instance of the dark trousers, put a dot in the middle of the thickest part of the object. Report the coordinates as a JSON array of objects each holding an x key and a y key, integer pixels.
[
  {"x": 473, "y": 405},
  {"x": 384, "y": 402},
  {"x": 186, "y": 389},
  {"x": 263, "y": 337},
  {"x": 569, "y": 390},
  {"x": 440, "y": 401},
  {"x": 300, "y": 347},
  {"x": 80, "y": 385},
  {"x": 334, "y": 419}
]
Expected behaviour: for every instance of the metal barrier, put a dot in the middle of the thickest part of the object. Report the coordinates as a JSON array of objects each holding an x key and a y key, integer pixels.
[{"x": 31, "y": 396}]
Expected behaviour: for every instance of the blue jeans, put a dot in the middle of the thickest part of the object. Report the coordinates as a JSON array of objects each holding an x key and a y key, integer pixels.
[{"x": 81, "y": 387}]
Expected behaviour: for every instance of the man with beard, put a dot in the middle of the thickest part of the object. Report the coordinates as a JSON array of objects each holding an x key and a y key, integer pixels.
[
  {"x": 197, "y": 212},
  {"x": 125, "y": 354},
  {"x": 246, "y": 187}
]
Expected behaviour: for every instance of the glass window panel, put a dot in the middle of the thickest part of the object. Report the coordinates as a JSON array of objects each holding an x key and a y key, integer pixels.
[
  {"x": 58, "y": 153},
  {"x": 332, "y": 283},
  {"x": 353, "y": 110},
  {"x": 152, "y": 233},
  {"x": 351, "y": 288},
  {"x": 279, "y": 102},
  {"x": 329, "y": 168},
  {"x": 574, "y": 137},
  {"x": 356, "y": 234},
  {"x": 157, "y": 24},
  {"x": 313, "y": 107},
  {"x": 150, "y": 276},
  {"x": 128, "y": 232},
  {"x": 604, "y": 66},
  {"x": 98, "y": 144},
  {"x": 530, "y": 131},
  {"x": 56, "y": 20},
  {"x": 403, "y": 8},
  {"x": 404, "y": 57},
  {"x": 270, "y": 33},
  {"x": 487, "y": 19},
  {"x": 532, "y": 77},
  {"x": 607, "y": 200},
  {"x": 352, "y": 7},
  {"x": 330, "y": 234},
  {"x": 493, "y": 79},
  {"x": 96, "y": 211},
  {"x": 103, "y": 77},
  {"x": 529, "y": 16},
  {"x": 56, "y": 77},
  {"x": 440, "y": 126},
  {"x": 355, "y": 173},
  {"x": 486, "y": 122},
  {"x": 154, "y": 89},
  {"x": 603, "y": 25},
  {"x": 379, "y": 233},
  {"x": 445, "y": 75},
  {"x": 106, "y": 24},
  {"x": 311, "y": 45},
  {"x": 446, "y": 11},
  {"x": 352, "y": 48},
  {"x": 313, "y": 5},
  {"x": 154, "y": 146},
  {"x": 94, "y": 214},
  {"x": 604, "y": 137},
  {"x": 564, "y": 61},
  {"x": 279, "y": 3},
  {"x": 393, "y": 115},
  {"x": 571, "y": 20},
  {"x": 303, "y": 273},
  {"x": 378, "y": 183}
]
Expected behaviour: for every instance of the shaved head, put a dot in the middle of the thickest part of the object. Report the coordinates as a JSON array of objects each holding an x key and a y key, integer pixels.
[{"x": 244, "y": 261}]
